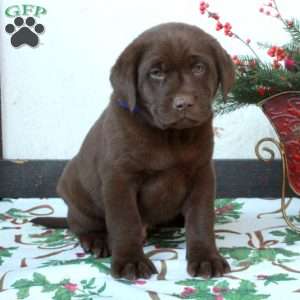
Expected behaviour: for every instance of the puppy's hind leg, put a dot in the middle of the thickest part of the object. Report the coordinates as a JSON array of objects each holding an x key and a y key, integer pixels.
[
  {"x": 84, "y": 218},
  {"x": 92, "y": 234}
]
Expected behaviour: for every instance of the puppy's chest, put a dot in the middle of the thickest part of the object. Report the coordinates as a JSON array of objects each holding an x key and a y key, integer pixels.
[
  {"x": 162, "y": 193},
  {"x": 165, "y": 157},
  {"x": 167, "y": 180}
]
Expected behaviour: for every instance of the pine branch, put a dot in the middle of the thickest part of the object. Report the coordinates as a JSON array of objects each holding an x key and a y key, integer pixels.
[
  {"x": 294, "y": 31},
  {"x": 221, "y": 108},
  {"x": 291, "y": 47}
]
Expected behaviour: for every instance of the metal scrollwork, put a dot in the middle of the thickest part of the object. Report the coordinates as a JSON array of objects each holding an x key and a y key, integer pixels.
[{"x": 259, "y": 149}]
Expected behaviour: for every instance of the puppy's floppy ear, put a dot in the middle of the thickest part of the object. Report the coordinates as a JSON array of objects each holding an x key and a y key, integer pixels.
[
  {"x": 225, "y": 68},
  {"x": 123, "y": 76}
]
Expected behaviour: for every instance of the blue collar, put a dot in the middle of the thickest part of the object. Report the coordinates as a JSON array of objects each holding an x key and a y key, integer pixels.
[{"x": 124, "y": 104}]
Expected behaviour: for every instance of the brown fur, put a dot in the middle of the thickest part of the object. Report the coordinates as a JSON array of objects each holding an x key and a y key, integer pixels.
[{"x": 138, "y": 169}]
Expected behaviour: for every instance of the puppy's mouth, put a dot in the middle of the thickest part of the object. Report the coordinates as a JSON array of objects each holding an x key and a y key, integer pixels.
[
  {"x": 187, "y": 121},
  {"x": 183, "y": 123}
]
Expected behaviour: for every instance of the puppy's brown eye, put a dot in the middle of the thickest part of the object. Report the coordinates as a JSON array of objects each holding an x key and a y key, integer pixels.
[
  {"x": 157, "y": 74},
  {"x": 198, "y": 69}
]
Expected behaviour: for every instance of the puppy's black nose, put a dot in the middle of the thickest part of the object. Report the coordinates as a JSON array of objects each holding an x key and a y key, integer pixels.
[{"x": 183, "y": 102}]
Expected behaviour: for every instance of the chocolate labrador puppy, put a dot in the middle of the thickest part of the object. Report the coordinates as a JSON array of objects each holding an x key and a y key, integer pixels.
[{"x": 148, "y": 158}]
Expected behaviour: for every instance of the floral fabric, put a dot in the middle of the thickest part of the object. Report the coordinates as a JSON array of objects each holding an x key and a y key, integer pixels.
[{"x": 42, "y": 263}]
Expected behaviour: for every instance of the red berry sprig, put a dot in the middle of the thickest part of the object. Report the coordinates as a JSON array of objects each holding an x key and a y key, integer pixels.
[
  {"x": 236, "y": 60},
  {"x": 278, "y": 54},
  {"x": 219, "y": 26},
  {"x": 262, "y": 90},
  {"x": 203, "y": 7},
  {"x": 270, "y": 9},
  {"x": 226, "y": 27},
  {"x": 290, "y": 64}
]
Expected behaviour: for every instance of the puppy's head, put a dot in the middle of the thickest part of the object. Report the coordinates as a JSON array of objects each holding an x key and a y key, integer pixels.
[{"x": 172, "y": 72}]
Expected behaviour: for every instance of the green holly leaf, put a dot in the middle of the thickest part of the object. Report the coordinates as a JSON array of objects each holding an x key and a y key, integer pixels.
[
  {"x": 39, "y": 279},
  {"x": 81, "y": 296},
  {"x": 50, "y": 287},
  {"x": 290, "y": 236},
  {"x": 88, "y": 284},
  {"x": 287, "y": 253},
  {"x": 100, "y": 266},
  {"x": 64, "y": 281},
  {"x": 6, "y": 252},
  {"x": 277, "y": 233},
  {"x": 227, "y": 210},
  {"x": 206, "y": 290},
  {"x": 54, "y": 238},
  {"x": 52, "y": 263},
  {"x": 234, "y": 295},
  {"x": 278, "y": 277},
  {"x": 270, "y": 254},
  {"x": 246, "y": 291},
  {"x": 17, "y": 213},
  {"x": 91, "y": 282},
  {"x": 238, "y": 253},
  {"x": 197, "y": 283},
  {"x": 223, "y": 284},
  {"x": 247, "y": 286},
  {"x": 62, "y": 294},
  {"x": 202, "y": 288},
  {"x": 254, "y": 256},
  {"x": 259, "y": 255},
  {"x": 23, "y": 293},
  {"x": 102, "y": 288},
  {"x": 22, "y": 283}
]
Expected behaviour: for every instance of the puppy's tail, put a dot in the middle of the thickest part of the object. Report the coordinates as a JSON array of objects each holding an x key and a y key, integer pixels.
[{"x": 51, "y": 222}]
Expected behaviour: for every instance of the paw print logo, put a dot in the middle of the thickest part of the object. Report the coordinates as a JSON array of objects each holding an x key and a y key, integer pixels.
[{"x": 24, "y": 32}]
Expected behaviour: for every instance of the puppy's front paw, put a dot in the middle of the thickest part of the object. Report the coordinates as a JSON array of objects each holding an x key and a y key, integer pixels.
[
  {"x": 132, "y": 269},
  {"x": 208, "y": 266}
]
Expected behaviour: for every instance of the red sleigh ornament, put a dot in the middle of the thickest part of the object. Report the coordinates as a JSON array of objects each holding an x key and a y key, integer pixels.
[{"x": 283, "y": 112}]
